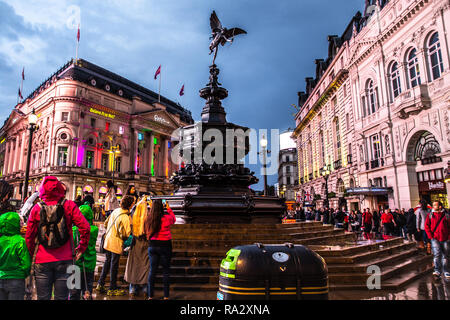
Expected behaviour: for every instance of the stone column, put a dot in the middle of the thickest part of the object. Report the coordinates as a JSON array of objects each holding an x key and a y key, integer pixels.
[
  {"x": 6, "y": 160},
  {"x": 134, "y": 150},
  {"x": 165, "y": 150},
  {"x": 11, "y": 158},
  {"x": 22, "y": 158},
  {"x": 150, "y": 153},
  {"x": 15, "y": 161}
]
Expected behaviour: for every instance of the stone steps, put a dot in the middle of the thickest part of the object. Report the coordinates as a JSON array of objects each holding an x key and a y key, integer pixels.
[
  {"x": 387, "y": 272},
  {"x": 379, "y": 261},
  {"x": 255, "y": 237},
  {"x": 374, "y": 252},
  {"x": 199, "y": 249}
]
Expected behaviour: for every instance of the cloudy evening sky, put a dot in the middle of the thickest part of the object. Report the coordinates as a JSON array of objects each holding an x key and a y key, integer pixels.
[{"x": 263, "y": 70}]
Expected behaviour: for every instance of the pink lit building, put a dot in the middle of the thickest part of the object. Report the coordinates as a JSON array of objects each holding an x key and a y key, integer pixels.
[
  {"x": 388, "y": 134},
  {"x": 94, "y": 126}
]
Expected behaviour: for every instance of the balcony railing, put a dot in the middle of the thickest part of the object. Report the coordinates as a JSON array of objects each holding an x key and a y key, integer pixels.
[
  {"x": 412, "y": 101},
  {"x": 376, "y": 163},
  {"x": 337, "y": 164}
]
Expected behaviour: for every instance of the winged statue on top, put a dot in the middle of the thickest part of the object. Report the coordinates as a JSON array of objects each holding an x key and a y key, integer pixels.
[{"x": 220, "y": 34}]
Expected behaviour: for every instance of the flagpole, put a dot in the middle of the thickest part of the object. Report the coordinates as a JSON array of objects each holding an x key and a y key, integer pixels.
[
  {"x": 21, "y": 82},
  {"x": 78, "y": 43},
  {"x": 159, "y": 90}
]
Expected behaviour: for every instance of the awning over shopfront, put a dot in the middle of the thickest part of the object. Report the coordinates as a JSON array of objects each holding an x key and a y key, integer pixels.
[{"x": 370, "y": 191}]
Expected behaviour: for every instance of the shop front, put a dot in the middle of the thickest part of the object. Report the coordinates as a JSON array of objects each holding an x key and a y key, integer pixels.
[
  {"x": 434, "y": 190},
  {"x": 375, "y": 198}
]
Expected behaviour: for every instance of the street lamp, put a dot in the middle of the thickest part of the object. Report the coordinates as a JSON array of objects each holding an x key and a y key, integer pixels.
[
  {"x": 325, "y": 171},
  {"x": 32, "y": 121},
  {"x": 114, "y": 150},
  {"x": 263, "y": 143}
]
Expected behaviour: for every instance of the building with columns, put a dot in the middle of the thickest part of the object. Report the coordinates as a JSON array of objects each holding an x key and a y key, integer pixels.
[
  {"x": 287, "y": 167},
  {"x": 397, "y": 64},
  {"x": 93, "y": 126}
]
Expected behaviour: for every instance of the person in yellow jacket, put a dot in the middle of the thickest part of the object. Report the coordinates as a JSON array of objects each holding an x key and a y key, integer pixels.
[
  {"x": 138, "y": 265},
  {"x": 118, "y": 229}
]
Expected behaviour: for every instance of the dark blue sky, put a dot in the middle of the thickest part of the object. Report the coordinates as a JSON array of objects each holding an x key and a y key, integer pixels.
[{"x": 263, "y": 70}]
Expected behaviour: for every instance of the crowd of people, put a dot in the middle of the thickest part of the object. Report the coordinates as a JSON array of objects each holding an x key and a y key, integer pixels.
[
  {"x": 42, "y": 243},
  {"x": 428, "y": 225},
  {"x": 51, "y": 235}
]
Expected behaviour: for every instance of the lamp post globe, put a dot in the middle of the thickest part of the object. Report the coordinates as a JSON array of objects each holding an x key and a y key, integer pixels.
[
  {"x": 263, "y": 143},
  {"x": 32, "y": 121}
]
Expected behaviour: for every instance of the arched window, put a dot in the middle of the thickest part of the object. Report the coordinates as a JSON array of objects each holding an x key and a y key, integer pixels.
[
  {"x": 370, "y": 100},
  {"x": 394, "y": 74},
  {"x": 413, "y": 71},
  {"x": 352, "y": 183},
  {"x": 340, "y": 186},
  {"x": 427, "y": 147},
  {"x": 435, "y": 57},
  {"x": 337, "y": 136}
]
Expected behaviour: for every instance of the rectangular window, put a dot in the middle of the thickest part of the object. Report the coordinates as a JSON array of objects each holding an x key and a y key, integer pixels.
[
  {"x": 119, "y": 164},
  {"x": 338, "y": 139},
  {"x": 363, "y": 107},
  {"x": 322, "y": 142},
  {"x": 288, "y": 169},
  {"x": 62, "y": 156},
  {"x": 90, "y": 159},
  {"x": 46, "y": 158},
  {"x": 432, "y": 175},
  {"x": 64, "y": 116},
  {"x": 376, "y": 150},
  {"x": 40, "y": 164},
  {"x": 439, "y": 174},
  {"x": 105, "y": 162},
  {"x": 92, "y": 122},
  {"x": 420, "y": 176},
  {"x": 347, "y": 121},
  {"x": 426, "y": 176}
]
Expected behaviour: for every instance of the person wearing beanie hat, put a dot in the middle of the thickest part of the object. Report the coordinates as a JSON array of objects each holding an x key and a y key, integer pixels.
[{"x": 15, "y": 261}]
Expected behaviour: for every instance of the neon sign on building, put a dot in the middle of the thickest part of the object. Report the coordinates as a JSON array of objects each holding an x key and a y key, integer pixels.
[{"x": 102, "y": 113}]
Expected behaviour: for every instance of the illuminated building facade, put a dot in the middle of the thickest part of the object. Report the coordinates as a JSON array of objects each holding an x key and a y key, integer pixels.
[
  {"x": 396, "y": 62},
  {"x": 94, "y": 126},
  {"x": 324, "y": 131}
]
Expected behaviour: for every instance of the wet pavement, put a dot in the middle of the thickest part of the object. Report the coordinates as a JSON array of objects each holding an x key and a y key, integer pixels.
[{"x": 425, "y": 288}]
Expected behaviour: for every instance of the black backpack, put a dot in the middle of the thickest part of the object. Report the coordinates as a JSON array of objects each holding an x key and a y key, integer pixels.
[{"x": 52, "y": 230}]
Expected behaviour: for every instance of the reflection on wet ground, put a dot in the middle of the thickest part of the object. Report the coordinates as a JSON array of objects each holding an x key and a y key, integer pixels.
[
  {"x": 343, "y": 246},
  {"x": 425, "y": 288}
]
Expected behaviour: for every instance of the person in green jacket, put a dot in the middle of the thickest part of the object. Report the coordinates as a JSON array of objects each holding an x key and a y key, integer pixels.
[
  {"x": 15, "y": 260},
  {"x": 88, "y": 259}
]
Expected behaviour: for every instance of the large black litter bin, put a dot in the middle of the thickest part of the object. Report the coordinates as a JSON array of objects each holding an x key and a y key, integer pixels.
[{"x": 273, "y": 272}]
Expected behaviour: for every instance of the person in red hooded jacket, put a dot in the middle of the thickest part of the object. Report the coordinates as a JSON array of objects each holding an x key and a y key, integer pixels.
[
  {"x": 437, "y": 227},
  {"x": 51, "y": 265}
]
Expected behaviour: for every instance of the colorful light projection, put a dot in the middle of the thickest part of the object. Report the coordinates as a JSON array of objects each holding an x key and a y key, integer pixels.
[
  {"x": 103, "y": 190},
  {"x": 88, "y": 189},
  {"x": 80, "y": 153},
  {"x": 155, "y": 152}
]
